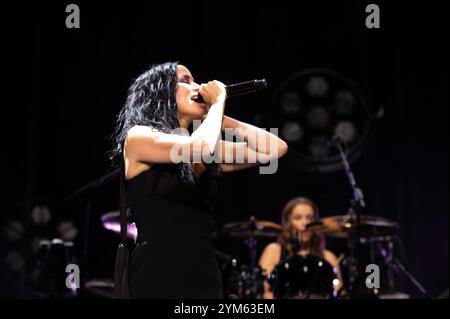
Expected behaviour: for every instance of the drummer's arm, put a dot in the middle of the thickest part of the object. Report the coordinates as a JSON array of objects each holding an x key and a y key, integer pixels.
[
  {"x": 334, "y": 262},
  {"x": 268, "y": 260}
]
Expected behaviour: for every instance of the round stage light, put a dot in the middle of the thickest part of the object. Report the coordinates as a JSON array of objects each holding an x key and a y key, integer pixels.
[{"x": 311, "y": 107}]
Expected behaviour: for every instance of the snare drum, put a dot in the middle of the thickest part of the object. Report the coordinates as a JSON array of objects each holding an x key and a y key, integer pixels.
[{"x": 303, "y": 277}]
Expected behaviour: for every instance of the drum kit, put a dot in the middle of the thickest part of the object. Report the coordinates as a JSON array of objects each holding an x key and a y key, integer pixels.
[
  {"x": 310, "y": 276},
  {"x": 298, "y": 276},
  {"x": 369, "y": 241}
]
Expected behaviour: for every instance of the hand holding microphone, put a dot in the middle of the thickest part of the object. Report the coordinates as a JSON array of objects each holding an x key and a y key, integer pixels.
[
  {"x": 236, "y": 89},
  {"x": 211, "y": 93}
]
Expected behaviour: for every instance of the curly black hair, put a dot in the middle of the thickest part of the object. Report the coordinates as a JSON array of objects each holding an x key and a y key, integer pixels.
[{"x": 151, "y": 102}]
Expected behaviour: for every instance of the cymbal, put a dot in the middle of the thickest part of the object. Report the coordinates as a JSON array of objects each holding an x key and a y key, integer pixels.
[
  {"x": 101, "y": 287},
  {"x": 111, "y": 221},
  {"x": 339, "y": 226},
  {"x": 252, "y": 228}
]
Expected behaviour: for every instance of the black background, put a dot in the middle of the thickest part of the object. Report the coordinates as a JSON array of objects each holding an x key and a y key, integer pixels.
[{"x": 64, "y": 88}]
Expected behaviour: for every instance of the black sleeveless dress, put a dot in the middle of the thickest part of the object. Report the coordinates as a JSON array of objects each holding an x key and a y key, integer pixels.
[{"x": 174, "y": 255}]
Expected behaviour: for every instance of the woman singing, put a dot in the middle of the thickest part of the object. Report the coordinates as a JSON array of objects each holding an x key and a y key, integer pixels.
[{"x": 172, "y": 201}]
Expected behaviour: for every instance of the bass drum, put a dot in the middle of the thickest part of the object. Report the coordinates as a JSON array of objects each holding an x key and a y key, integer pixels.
[{"x": 303, "y": 277}]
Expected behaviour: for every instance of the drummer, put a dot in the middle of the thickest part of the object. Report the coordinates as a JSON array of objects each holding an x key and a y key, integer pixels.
[{"x": 295, "y": 239}]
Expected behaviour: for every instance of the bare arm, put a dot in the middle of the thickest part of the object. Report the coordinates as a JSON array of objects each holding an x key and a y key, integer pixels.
[
  {"x": 259, "y": 145},
  {"x": 335, "y": 263},
  {"x": 270, "y": 257},
  {"x": 209, "y": 130},
  {"x": 236, "y": 156},
  {"x": 144, "y": 144}
]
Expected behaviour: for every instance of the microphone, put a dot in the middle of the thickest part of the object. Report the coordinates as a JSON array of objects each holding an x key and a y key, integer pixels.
[
  {"x": 338, "y": 142},
  {"x": 240, "y": 88},
  {"x": 295, "y": 242},
  {"x": 335, "y": 140}
]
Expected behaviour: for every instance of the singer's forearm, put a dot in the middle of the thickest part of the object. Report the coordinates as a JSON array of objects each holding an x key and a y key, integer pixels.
[
  {"x": 209, "y": 130},
  {"x": 258, "y": 139},
  {"x": 249, "y": 133}
]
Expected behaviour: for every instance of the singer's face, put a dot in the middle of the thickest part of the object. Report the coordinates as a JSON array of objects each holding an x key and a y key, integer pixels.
[
  {"x": 302, "y": 215},
  {"x": 188, "y": 110}
]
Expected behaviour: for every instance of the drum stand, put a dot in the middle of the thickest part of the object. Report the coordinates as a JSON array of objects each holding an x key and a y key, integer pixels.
[
  {"x": 395, "y": 266},
  {"x": 54, "y": 256},
  {"x": 249, "y": 281},
  {"x": 357, "y": 204},
  {"x": 399, "y": 265},
  {"x": 354, "y": 237},
  {"x": 252, "y": 284},
  {"x": 83, "y": 192}
]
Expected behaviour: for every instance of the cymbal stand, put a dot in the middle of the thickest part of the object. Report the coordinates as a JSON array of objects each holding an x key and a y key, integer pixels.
[
  {"x": 357, "y": 204},
  {"x": 84, "y": 193},
  {"x": 252, "y": 288},
  {"x": 395, "y": 266}
]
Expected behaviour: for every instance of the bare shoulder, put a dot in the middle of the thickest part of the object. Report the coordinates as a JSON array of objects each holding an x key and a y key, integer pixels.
[
  {"x": 273, "y": 248},
  {"x": 139, "y": 135},
  {"x": 139, "y": 131},
  {"x": 147, "y": 145}
]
